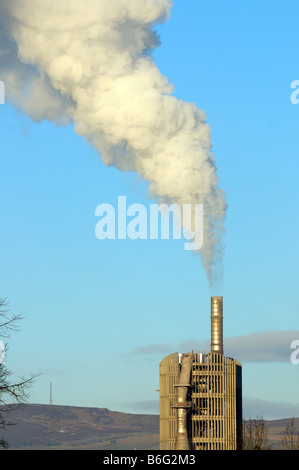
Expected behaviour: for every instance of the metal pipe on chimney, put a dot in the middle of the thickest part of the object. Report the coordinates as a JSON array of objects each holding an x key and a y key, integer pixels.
[
  {"x": 217, "y": 324},
  {"x": 182, "y": 405}
]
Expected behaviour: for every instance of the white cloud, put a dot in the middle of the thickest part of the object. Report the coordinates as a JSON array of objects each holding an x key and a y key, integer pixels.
[
  {"x": 264, "y": 346},
  {"x": 89, "y": 63},
  {"x": 268, "y": 410}
]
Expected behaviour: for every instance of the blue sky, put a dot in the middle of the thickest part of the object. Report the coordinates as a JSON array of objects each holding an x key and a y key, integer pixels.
[{"x": 100, "y": 315}]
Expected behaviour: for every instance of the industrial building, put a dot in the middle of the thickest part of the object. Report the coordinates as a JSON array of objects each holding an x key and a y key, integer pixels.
[{"x": 201, "y": 396}]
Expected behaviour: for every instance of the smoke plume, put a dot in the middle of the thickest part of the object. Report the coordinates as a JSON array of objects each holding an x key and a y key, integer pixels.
[{"x": 89, "y": 63}]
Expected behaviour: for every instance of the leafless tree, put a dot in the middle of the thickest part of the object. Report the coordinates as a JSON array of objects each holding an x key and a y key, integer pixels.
[
  {"x": 290, "y": 439},
  {"x": 12, "y": 393},
  {"x": 255, "y": 434}
]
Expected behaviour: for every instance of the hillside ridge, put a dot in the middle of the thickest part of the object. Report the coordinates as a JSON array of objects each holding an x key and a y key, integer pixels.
[{"x": 41, "y": 426}]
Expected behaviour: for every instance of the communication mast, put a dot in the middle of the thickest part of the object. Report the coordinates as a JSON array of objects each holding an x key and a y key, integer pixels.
[{"x": 50, "y": 400}]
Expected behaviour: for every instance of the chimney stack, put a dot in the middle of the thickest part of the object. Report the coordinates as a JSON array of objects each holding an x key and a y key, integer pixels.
[{"x": 217, "y": 324}]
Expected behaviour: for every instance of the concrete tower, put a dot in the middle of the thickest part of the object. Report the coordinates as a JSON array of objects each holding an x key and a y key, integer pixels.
[{"x": 201, "y": 396}]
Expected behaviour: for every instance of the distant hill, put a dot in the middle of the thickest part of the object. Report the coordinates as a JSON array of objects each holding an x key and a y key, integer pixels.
[{"x": 70, "y": 427}]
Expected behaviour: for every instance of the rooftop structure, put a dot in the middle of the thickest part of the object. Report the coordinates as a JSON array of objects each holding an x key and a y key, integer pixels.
[{"x": 201, "y": 396}]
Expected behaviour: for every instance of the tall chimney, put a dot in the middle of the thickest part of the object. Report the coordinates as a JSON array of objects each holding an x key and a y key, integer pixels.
[{"x": 217, "y": 325}]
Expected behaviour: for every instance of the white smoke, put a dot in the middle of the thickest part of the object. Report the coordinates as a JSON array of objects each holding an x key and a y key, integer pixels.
[{"x": 89, "y": 63}]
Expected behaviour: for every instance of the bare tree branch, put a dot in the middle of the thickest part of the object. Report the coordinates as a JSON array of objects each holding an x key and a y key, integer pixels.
[
  {"x": 13, "y": 392},
  {"x": 290, "y": 439},
  {"x": 255, "y": 434},
  {"x": 8, "y": 322}
]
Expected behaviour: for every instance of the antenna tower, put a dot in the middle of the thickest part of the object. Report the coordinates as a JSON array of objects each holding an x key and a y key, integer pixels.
[{"x": 50, "y": 400}]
